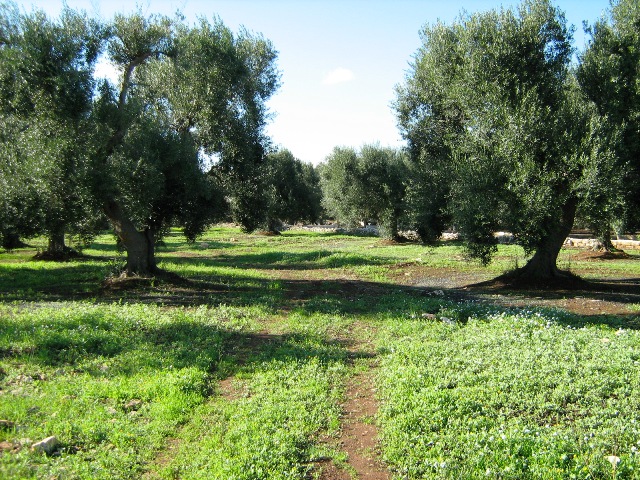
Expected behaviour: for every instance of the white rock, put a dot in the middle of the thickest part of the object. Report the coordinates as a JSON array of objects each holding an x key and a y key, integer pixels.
[
  {"x": 48, "y": 445},
  {"x": 448, "y": 321}
]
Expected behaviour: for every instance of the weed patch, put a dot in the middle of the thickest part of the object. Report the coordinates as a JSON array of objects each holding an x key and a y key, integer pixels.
[
  {"x": 110, "y": 382},
  {"x": 285, "y": 398},
  {"x": 510, "y": 396}
]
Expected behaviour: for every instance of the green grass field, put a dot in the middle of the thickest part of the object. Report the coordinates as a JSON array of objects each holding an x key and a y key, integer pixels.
[{"x": 238, "y": 365}]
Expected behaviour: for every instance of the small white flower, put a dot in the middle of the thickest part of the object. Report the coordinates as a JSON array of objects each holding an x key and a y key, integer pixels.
[{"x": 613, "y": 460}]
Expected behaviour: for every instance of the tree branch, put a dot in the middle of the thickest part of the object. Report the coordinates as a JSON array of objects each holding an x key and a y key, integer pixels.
[{"x": 126, "y": 80}]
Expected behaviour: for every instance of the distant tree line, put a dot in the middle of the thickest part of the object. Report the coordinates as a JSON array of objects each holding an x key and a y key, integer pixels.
[{"x": 504, "y": 131}]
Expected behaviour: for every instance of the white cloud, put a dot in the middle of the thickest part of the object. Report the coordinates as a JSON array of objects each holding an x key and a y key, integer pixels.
[{"x": 339, "y": 75}]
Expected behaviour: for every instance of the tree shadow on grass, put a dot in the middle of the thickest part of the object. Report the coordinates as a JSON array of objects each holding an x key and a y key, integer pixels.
[
  {"x": 626, "y": 290},
  {"x": 371, "y": 299},
  {"x": 105, "y": 351},
  {"x": 248, "y": 350},
  {"x": 72, "y": 341},
  {"x": 82, "y": 280},
  {"x": 68, "y": 280},
  {"x": 311, "y": 260}
]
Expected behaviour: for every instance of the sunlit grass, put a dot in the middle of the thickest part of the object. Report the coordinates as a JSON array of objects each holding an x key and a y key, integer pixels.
[
  {"x": 468, "y": 389},
  {"x": 509, "y": 395},
  {"x": 110, "y": 382},
  {"x": 267, "y": 431}
]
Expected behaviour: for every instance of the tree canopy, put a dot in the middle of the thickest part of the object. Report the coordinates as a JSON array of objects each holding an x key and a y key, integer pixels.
[
  {"x": 46, "y": 92},
  {"x": 503, "y": 130},
  {"x": 365, "y": 185},
  {"x": 609, "y": 74},
  {"x": 135, "y": 150},
  {"x": 492, "y": 111},
  {"x": 292, "y": 190}
]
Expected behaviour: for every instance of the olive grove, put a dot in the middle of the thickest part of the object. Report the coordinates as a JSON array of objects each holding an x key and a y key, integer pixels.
[{"x": 135, "y": 150}]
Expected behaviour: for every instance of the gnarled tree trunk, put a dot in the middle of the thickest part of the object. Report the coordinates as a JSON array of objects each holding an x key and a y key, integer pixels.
[
  {"x": 605, "y": 243},
  {"x": 56, "y": 244},
  {"x": 542, "y": 265},
  {"x": 274, "y": 225},
  {"x": 139, "y": 245}
]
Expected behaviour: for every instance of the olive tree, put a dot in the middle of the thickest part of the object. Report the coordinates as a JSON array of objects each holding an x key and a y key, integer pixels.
[
  {"x": 186, "y": 93},
  {"x": 292, "y": 190},
  {"x": 365, "y": 185},
  {"x": 609, "y": 74},
  {"x": 135, "y": 149},
  {"x": 490, "y": 108},
  {"x": 46, "y": 69}
]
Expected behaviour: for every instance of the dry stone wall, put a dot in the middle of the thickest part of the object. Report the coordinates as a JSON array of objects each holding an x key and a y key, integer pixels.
[{"x": 581, "y": 241}]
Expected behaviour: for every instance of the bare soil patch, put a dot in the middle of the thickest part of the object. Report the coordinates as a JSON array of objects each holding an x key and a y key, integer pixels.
[
  {"x": 359, "y": 434},
  {"x": 164, "y": 457},
  {"x": 359, "y": 437},
  {"x": 589, "y": 255},
  {"x": 66, "y": 255},
  {"x": 588, "y": 297}
]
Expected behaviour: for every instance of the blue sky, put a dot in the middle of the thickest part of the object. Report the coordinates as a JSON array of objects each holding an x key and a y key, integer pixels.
[{"x": 340, "y": 59}]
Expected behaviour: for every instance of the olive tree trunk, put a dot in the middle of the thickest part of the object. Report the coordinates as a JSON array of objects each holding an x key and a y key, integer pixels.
[
  {"x": 139, "y": 245},
  {"x": 56, "y": 244},
  {"x": 542, "y": 265},
  {"x": 11, "y": 241},
  {"x": 391, "y": 225},
  {"x": 605, "y": 243}
]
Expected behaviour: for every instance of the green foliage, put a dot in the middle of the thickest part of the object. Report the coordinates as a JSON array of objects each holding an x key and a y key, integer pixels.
[
  {"x": 608, "y": 74},
  {"x": 147, "y": 173},
  {"x": 491, "y": 112},
  {"x": 134, "y": 150},
  {"x": 292, "y": 190},
  {"x": 425, "y": 199},
  {"x": 218, "y": 85},
  {"x": 47, "y": 89},
  {"x": 364, "y": 186}
]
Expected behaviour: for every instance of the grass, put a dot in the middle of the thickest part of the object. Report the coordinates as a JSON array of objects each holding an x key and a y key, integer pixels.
[
  {"x": 110, "y": 382},
  {"x": 284, "y": 400},
  {"x": 238, "y": 370},
  {"x": 510, "y": 395}
]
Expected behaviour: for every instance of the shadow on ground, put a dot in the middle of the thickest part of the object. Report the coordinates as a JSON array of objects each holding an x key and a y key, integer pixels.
[{"x": 84, "y": 280}]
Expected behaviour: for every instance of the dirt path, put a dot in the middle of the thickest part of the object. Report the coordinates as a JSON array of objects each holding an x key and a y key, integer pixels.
[
  {"x": 238, "y": 348},
  {"x": 359, "y": 435}
]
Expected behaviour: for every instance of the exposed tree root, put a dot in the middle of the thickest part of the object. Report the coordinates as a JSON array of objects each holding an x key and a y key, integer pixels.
[
  {"x": 126, "y": 281},
  {"x": 522, "y": 278}
]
